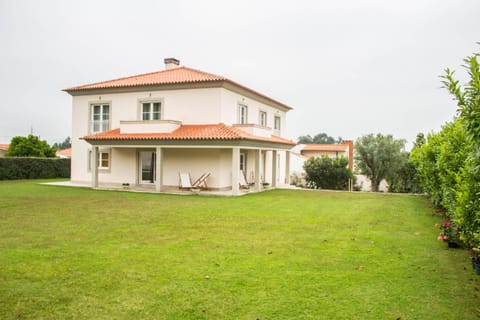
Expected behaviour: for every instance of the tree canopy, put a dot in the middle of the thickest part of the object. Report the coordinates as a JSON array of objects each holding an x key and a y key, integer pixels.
[
  {"x": 65, "y": 144},
  {"x": 320, "y": 138},
  {"x": 378, "y": 157},
  {"x": 30, "y": 146}
]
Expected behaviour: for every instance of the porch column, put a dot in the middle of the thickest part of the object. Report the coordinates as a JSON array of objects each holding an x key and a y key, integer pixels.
[
  {"x": 94, "y": 166},
  {"x": 287, "y": 167},
  {"x": 274, "y": 168},
  {"x": 235, "y": 170},
  {"x": 159, "y": 169},
  {"x": 258, "y": 169}
]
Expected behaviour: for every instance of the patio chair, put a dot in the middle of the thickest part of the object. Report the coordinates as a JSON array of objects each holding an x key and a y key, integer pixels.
[
  {"x": 241, "y": 181},
  {"x": 201, "y": 182},
  {"x": 185, "y": 182}
]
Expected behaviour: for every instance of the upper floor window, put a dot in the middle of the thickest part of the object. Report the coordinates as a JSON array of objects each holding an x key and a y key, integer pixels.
[
  {"x": 100, "y": 117},
  {"x": 151, "y": 110},
  {"x": 262, "y": 118},
  {"x": 242, "y": 114},
  {"x": 277, "y": 125}
]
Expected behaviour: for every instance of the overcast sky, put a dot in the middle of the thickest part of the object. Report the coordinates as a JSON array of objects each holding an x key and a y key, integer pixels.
[{"x": 347, "y": 67}]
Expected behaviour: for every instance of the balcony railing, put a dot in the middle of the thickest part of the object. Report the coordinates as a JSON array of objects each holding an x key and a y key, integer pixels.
[{"x": 255, "y": 129}]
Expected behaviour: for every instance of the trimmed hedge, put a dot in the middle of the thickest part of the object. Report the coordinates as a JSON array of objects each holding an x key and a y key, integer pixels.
[{"x": 33, "y": 168}]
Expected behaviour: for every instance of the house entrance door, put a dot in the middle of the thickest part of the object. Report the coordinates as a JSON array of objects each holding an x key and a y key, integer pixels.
[{"x": 147, "y": 167}]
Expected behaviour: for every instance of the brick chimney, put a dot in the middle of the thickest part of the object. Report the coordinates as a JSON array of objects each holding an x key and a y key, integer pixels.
[{"x": 171, "y": 63}]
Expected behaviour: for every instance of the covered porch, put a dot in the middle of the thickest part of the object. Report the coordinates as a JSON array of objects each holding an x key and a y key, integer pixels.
[
  {"x": 232, "y": 158},
  {"x": 157, "y": 168}
]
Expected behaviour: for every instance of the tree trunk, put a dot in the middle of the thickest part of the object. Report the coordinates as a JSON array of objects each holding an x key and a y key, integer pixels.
[{"x": 375, "y": 184}]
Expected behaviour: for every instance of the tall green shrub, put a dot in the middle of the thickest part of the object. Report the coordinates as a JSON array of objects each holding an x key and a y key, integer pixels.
[
  {"x": 454, "y": 150},
  {"x": 34, "y": 168},
  {"x": 467, "y": 95},
  {"x": 425, "y": 159}
]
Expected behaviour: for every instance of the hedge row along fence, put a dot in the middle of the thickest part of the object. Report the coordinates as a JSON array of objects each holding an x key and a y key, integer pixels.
[{"x": 33, "y": 168}]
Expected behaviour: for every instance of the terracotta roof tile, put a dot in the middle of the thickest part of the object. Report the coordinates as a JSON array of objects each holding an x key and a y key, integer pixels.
[
  {"x": 4, "y": 147},
  {"x": 190, "y": 132},
  {"x": 326, "y": 147},
  {"x": 178, "y": 75},
  {"x": 170, "y": 76},
  {"x": 64, "y": 152}
]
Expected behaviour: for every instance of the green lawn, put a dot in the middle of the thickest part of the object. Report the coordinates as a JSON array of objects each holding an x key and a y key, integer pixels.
[{"x": 68, "y": 253}]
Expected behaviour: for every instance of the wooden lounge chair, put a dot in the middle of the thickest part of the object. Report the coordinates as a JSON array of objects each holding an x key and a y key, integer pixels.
[
  {"x": 201, "y": 182},
  {"x": 185, "y": 182}
]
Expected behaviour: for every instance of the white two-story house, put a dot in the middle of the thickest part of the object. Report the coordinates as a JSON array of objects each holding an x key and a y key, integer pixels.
[{"x": 146, "y": 129}]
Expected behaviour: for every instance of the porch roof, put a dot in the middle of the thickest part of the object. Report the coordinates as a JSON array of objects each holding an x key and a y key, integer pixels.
[{"x": 210, "y": 132}]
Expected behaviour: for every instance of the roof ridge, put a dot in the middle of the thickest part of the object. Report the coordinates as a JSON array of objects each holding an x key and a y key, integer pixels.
[
  {"x": 149, "y": 74},
  {"x": 204, "y": 72}
]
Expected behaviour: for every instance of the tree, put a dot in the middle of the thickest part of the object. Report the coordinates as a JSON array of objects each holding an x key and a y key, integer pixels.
[
  {"x": 67, "y": 143},
  {"x": 328, "y": 173},
  {"x": 321, "y": 138},
  {"x": 30, "y": 146},
  {"x": 405, "y": 179},
  {"x": 378, "y": 157}
]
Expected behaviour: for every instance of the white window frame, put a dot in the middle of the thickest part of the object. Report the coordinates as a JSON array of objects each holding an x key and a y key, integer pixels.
[
  {"x": 101, "y": 155},
  {"x": 104, "y": 122},
  {"x": 151, "y": 113},
  {"x": 242, "y": 113},
  {"x": 277, "y": 124},
  {"x": 262, "y": 118}
]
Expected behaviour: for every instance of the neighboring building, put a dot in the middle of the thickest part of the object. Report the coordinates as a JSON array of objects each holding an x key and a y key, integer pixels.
[
  {"x": 65, "y": 153},
  {"x": 330, "y": 150},
  {"x": 146, "y": 129},
  {"x": 3, "y": 149},
  {"x": 303, "y": 152}
]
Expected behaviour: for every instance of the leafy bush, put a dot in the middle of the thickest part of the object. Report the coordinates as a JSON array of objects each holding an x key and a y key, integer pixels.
[
  {"x": 327, "y": 173},
  {"x": 298, "y": 179},
  {"x": 425, "y": 160},
  {"x": 405, "y": 179},
  {"x": 33, "y": 168},
  {"x": 448, "y": 164}
]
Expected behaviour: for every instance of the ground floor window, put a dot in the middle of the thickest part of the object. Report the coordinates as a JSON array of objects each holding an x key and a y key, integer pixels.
[{"x": 103, "y": 160}]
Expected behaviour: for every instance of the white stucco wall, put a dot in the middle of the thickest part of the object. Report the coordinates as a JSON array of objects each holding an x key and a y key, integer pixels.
[
  {"x": 206, "y": 160},
  {"x": 366, "y": 185},
  {"x": 190, "y": 106},
  {"x": 229, "y": 114}
]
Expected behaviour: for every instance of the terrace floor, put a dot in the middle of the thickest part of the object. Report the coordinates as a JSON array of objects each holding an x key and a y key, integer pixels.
[{"x": 165, "y": 189}]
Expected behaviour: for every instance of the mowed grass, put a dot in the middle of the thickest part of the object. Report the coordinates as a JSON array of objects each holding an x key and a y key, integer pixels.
[{"x": 68, "y": 253}]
